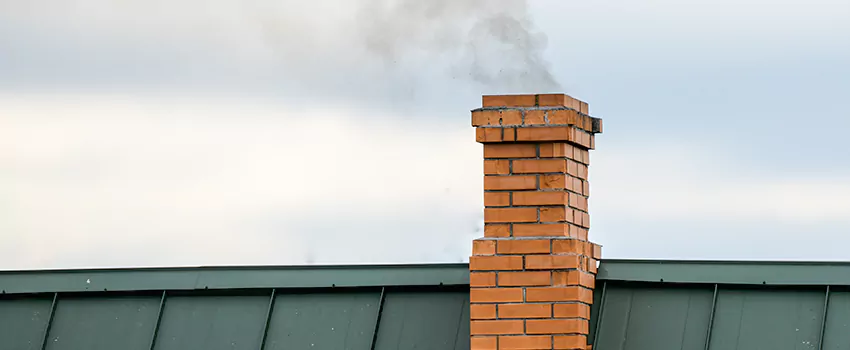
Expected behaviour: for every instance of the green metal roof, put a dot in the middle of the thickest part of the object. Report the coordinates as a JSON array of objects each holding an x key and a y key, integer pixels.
[
  {"x": 801, "y": 273},
  {"x": 324, "y": 307},
  {"x": 243, "y": 277},
  {"x": 721, "y": 305},
  {"x": 639, "y": 305}
]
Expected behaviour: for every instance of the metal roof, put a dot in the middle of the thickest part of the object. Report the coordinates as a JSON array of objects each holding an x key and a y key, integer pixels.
[
  {"x": 324, "y": 307},
  {"x": 639, "y": 305},
  {"x": 724, "y": 305}
]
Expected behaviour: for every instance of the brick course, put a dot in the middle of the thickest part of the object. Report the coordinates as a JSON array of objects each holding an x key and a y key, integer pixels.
[{"x": 532, "y": 274}]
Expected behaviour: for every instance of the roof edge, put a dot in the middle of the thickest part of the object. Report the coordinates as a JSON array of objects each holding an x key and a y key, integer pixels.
[
  {"x": 330, "y": 276},
  {"x": 798, "y": 273},
  {"x": 232, "y": 277}
]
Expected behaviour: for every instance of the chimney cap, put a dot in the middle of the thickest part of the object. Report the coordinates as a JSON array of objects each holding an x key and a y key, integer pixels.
[{"x": 534, "y": 100}]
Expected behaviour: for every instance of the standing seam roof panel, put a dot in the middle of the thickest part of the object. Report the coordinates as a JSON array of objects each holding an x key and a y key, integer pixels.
[
  {"x": 379, "y": 307},
  {"x": 639, "y": 305}
]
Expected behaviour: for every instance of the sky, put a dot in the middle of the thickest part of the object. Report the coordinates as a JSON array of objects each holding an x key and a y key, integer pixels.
[{"x": 184, "y": 133}]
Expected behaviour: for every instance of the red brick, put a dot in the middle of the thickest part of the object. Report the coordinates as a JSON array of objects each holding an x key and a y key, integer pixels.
[
  {"x": 549, "y": 262},
  {"x": 556, "y": 214},
  {"x": 486, "y": 117},
  {"x": 523, "y": 246},
  {"x": 549, "y": 294},
  {"x": 511, "y": 117},
  {"x": 483, "y": 247},
  {"x": 564, "y": 116},
  {"x": 571, "y": 342},
  {"x": 573, "y": 103},
  {"x": 556, "y": 150},
  {"x": 572, "y": 168},
  {"x": 571, "y": 310},
  {"x": 501, "y": 215},
  {"x": 525, "y": 342},
  {"x": 582, "y": 219},
  {"x": 577, "y": 232},
  {"x": 497, "y": 167},
  {"x": 483, "y": 343},
  {"x": 588, "y": 124},
  {"x": 586, "y": 189},
  {"x": 580, "y": 137},
  {"x": 509, "y": 100},
  {"x": 573, "y": 217},
  {"x": 570, "y": 246},
  {"x": 570, "y": 184},
  {"x": 497, "y": 263},
  {"x": 555, "y": 326},
  {"x": 579, "y": 155},
  {"x": 539, "y": 198},
  {"x": 573, "y": 278},
  {"x": 495, "y": 295},
  {"x": 568, "y": 101},
  {"x": 510, "y": 150},
  {"x": 509, "y": 135},
  {"x": 497, "y": 230},
  {"x": 583, "y": 264},
  {"x": 576, "y": 185},
  {"x": 494, "y": 327},
  {"x": 552, "y": 100},
  {"x": 525, "y": 278},
  {"x": 582, "y": 156},
  {"x": 510, "y": 182},
  {"x": 531, "y": 166},
  {"x": 541, "y": 230},
  {"x": 583, "y": 107},
  {"x": 583, "y": 122},
  {"x": 556, "y": 133},
  {"x": 488, "y": 134},
  {"x": 482, "y": 311},
  {"x": 535, "y": 117},
  {"x": 581, "y": 171},
  {"x": 482, "y": 279},
  {"x": 497, "y": 199},
  {"x": 525, "y": 310},
  {"x": 596, "y": 251},
  {"x": 591, "y": 265},
  {"x": 553, "y": 182}
]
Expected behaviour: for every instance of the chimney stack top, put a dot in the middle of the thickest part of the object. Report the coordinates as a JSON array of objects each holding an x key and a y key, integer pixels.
[{"x": 534, "y": 100}]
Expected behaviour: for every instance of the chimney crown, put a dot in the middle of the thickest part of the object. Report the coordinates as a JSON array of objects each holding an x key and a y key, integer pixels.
[{"x": 530, "y": 118}]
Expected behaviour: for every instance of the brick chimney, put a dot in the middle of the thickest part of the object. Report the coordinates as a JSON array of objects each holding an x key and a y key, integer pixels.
[{"x": 532, "y": 274}]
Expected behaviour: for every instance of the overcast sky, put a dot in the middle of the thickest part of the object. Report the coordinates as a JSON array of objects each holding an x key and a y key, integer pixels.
[{"x": 162, "y": 133}]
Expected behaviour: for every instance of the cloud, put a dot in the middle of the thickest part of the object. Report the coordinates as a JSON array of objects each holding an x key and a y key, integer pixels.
[
  {"x": 165, "y": 183},
  {"x": 113, "y": 180},
  {"x": 385, "y": 50},
  {"x": 685, "y": 181},
  {"x": 712, "y": 237},
  {"x": 685, "y": 199},
  {"x": 215, "y": 132}
]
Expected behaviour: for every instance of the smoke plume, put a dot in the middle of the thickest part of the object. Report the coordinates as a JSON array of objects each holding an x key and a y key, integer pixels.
[
  {"x": 490, "y": 42},
  {"x": 327, "y": 47}
]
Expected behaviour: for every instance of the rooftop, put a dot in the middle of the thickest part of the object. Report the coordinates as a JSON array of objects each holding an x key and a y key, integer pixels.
[{"x": 644, "y": 304}]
